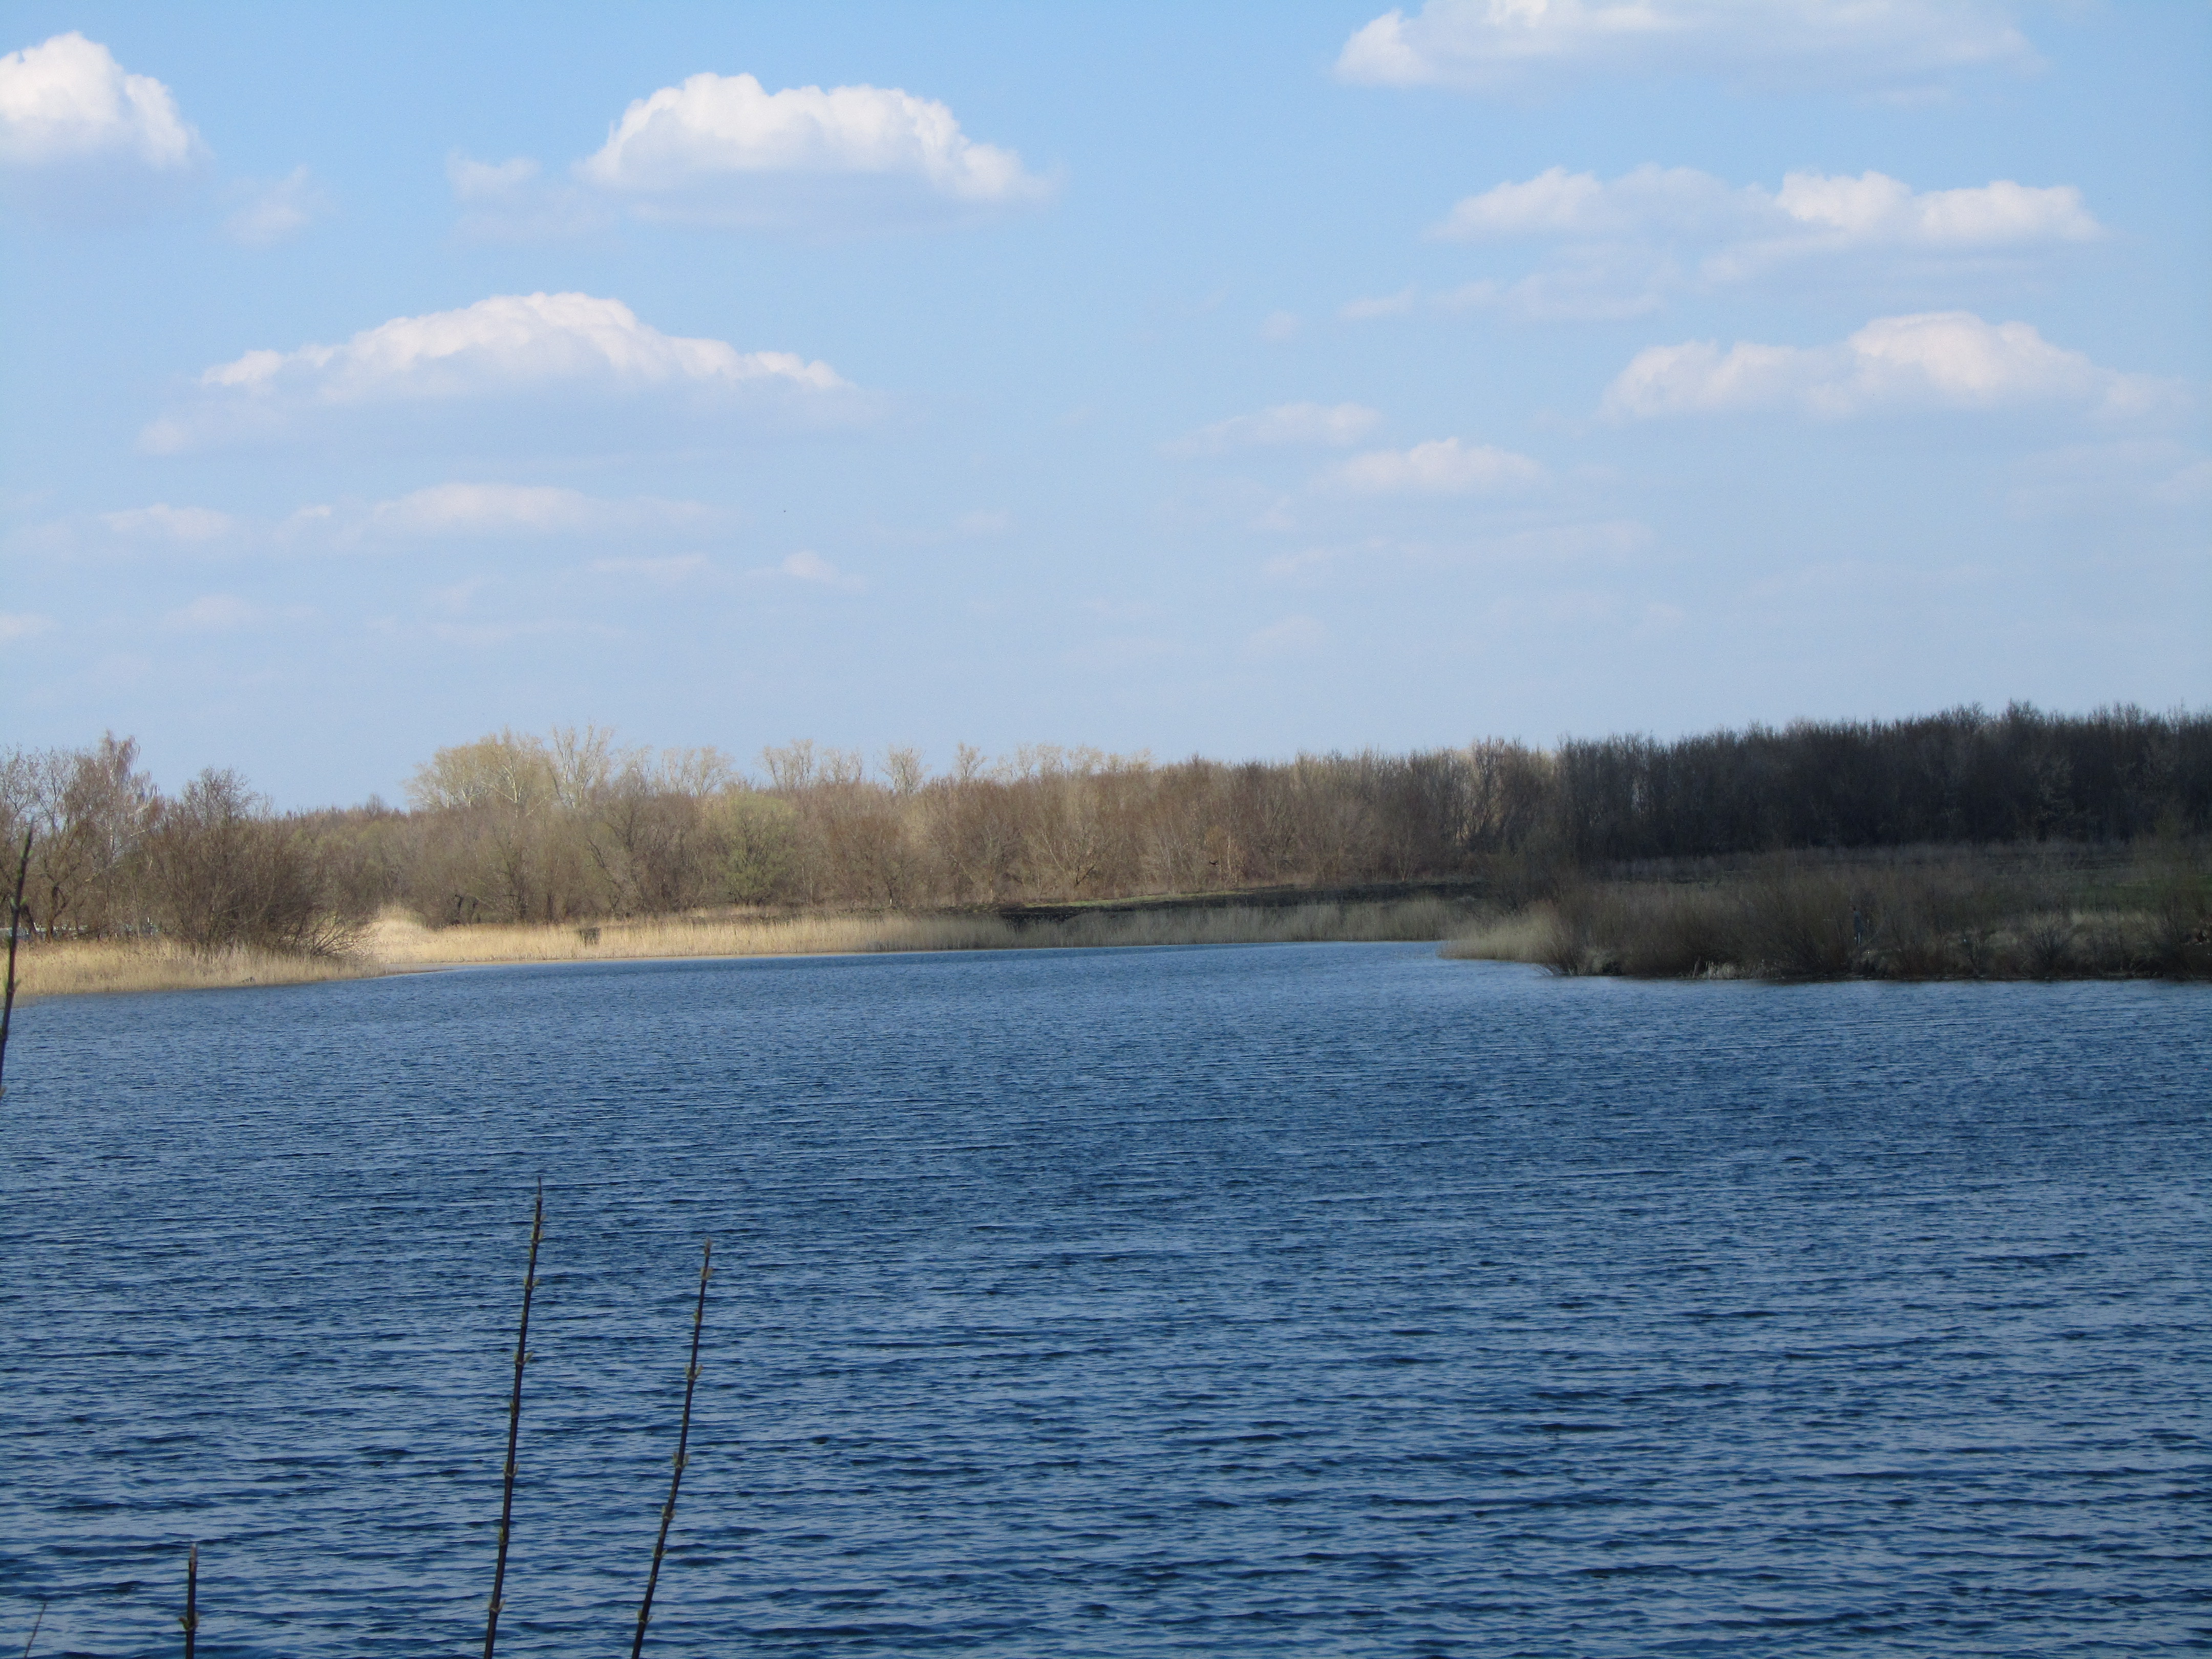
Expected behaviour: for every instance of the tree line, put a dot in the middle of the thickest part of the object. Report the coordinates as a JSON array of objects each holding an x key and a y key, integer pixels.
[{"x": 570, "y": 826}]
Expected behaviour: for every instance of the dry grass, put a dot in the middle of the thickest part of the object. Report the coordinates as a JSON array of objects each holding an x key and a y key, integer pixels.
[
  {"x": 72, "y": 968},
  {"x": 1519, "y": 936},
  {"x": 396, "y": 943},
  {"x": 399, "y": 941}
]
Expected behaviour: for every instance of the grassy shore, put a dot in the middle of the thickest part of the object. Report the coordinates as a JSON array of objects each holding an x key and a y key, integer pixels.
[
  {"x": 398, "y": 944},
  {"x": 1924, "y": 913},
  {"x": 2044, "y": 915}
]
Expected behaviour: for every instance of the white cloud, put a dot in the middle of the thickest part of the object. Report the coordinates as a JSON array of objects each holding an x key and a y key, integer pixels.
[
  {"x": 1620, "y": 245},
  {"x": 810, "y": 567},
  {"x": 1876, "y": 208},
  {"x": 181, "y": 524},
  {"x": 1943, "y": 360},
  {"x": 278, "y": 210},
  {"x": 1280, "y": 325},
  {"x": 69, "y": 102},
  {"x": 1580, "y": 206},
  {"x": 1443, "y": 467},
  {"x": 1747, "y": 225},
  {"x": 1336, "y": 424},
  {"x": 492, "y": 509},
  {"x": 537, "y": 345},
  {"x": 722, "y": 149},
  {"x": 1500, "y": 45},
  {"x": 23, "y": 625}
]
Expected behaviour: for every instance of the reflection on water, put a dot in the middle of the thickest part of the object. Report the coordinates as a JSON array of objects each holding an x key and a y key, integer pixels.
[{"x": 1329, "y": 1299}]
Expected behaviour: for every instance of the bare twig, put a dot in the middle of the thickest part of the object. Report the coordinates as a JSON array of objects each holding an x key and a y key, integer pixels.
[
  {"x": 682, "y": 1442},
  {"x": 514, "y": 1421}
]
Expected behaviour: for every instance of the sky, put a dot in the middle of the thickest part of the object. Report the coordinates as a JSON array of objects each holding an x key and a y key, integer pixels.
[{"x": 1242, "y": 379}]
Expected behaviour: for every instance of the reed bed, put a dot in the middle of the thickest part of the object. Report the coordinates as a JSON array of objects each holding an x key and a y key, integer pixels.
[
  {"x": 63, "y": 967},
  {"x": 397, "y": 941}
]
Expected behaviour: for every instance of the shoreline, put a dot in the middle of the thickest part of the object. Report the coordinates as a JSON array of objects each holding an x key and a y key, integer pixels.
[{"x": 1924, "y": 914}]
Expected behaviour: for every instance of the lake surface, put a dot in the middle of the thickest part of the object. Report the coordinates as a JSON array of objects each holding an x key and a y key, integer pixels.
[{"x": 1304, "y": 1300}]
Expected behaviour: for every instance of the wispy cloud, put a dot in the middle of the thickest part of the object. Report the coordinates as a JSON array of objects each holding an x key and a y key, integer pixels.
[
  {"x": 1933, "y": 359},
  {"x": 1282, "y": 425},
  {"x": 275, "y": 212},
  {"x": 177, "y": 524},
  {"x": 1509, "y": 45},
  {"x": 1442, "y": 466},
  {"x": 811, "y": 568},
  {"x": 24, "y": 625},
  {"x": 1620, "y": 247}
]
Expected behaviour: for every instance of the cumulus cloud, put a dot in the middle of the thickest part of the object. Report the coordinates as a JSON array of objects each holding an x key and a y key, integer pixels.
[
  {"x": 724, "y": 150},
  {"x": 508, "y": 347},
  {"x": 1442, "y": 466},
  {"x": 84, "y": 142},
  {"x": 1337, "y": 424},
  {"x": 275, "y": 211},
  {"x": 1933, "y": 360},
  {"x": 68, "y": 102},
  {"x": 1505, "y": 45}
]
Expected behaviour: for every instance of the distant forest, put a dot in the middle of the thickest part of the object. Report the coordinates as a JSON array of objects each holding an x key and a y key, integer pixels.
[{"x": 572, "y": 826}]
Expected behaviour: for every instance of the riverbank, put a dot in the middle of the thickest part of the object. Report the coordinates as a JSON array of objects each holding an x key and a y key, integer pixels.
[
  {"x": 1932, "y": 913},
  {"x": 2006, "y": 913},
  {"x": 396, "y": 943}
]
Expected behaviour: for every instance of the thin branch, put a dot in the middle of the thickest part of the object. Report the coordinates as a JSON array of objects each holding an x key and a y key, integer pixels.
[
  {"x": 683, "y": 1443},
  {"x": 514, "y": 1421}
]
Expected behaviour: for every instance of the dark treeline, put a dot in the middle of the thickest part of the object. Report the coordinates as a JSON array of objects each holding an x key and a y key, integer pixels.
[{"x": 570, "y": 826}]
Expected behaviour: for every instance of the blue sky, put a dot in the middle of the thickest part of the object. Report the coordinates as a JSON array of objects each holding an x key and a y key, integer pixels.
[{"x": 1241, "y": 381}]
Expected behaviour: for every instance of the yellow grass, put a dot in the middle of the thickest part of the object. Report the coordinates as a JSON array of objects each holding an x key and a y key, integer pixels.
[
  {"x": 396, "y": 943},
  {"x": 73, "y": 968},
  {"x": 400, "y": 941},
  {"x": 1522, "y": 936}
]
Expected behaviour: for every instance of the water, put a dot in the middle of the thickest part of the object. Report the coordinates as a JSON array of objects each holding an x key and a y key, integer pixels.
[{"x": 1315, "y": 1300}]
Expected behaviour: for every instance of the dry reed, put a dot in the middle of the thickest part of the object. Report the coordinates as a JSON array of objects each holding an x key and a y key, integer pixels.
[
  {"x": 56, "y": 967},
  {"x": 398, "y": 941},
  {"x": 191, "y": 1621},
  {"x": 683, "y": 1446},
  {"x": 514, "y": 1422}
]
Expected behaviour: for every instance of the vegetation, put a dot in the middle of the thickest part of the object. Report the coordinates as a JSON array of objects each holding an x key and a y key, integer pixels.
[
  {"x": 1950, "y": 915},
  {"x": 579, "y": 848}
]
